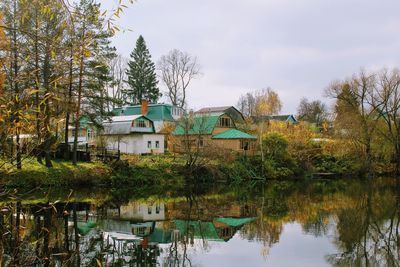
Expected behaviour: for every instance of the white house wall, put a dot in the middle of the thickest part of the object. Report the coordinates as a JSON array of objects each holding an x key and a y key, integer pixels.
[
  {"x": 136, "y": 143},
  {"x": 141, "y": 211}
]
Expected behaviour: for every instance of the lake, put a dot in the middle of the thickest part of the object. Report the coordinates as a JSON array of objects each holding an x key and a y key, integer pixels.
[{"x": 302, "y": 223}]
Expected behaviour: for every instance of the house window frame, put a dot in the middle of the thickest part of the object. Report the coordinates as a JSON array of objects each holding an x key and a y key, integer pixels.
[
  {"x": 244, "y": 144},
  {"x": 149, "y": 144},
  {"x": 140, "y": 123},
  {"x": 157, "y": 144},
  {"x": 225, "y": 122}
]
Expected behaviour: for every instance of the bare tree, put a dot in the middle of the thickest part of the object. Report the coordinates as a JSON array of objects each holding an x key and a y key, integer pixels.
[
  {"x": 247, "y": 104},
  {"x": 312, "y": 111},
  {"x": 115, "y": 89},
  {"x": 177, "y": 69},
  {"x": 356, "y": 110},
  {"x": 387, "y": 103}
]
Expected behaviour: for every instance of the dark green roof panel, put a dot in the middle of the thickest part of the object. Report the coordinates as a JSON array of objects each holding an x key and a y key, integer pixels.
[
  {"x": 204, "y": 230},
  {"x": 198, "y": 125},
  {"x": 235, "y": 222}
]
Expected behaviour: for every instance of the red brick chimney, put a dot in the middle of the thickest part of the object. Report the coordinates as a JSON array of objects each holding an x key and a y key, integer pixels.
[{"x": 145, "y": 107}]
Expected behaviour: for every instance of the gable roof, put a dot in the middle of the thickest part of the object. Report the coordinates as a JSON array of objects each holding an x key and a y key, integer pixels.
[
  {"x": 212, "y": 109},
  {"x": 199, "y": 125},
  {"x": 233, "y": 134},
  {"x": 156, "y": 112},
  {"x": 122, "y": 124},
  {"x": 235, "y": 114}
]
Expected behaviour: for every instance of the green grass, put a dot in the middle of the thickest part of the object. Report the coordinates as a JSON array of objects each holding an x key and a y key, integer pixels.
[{"x": 62, "y": 173}]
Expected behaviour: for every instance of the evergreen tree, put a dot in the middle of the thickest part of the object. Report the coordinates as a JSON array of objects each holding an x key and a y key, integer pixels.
[{"x": 142, "y": 78}]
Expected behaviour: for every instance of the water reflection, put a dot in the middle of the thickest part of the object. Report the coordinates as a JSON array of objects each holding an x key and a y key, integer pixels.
[{"x": 336, "y": 223}]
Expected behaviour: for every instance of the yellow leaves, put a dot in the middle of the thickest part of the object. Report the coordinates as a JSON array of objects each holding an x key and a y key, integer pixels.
[
  {"x": 98, "y": 262},
  {"x": 87, "y": 53}
]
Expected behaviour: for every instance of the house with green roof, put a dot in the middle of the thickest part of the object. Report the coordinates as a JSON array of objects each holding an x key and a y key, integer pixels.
[
  {"x": 159, "y": 114},
  {"x": 87, "y": 132},
  {"x": 133, "y": 134},
  {"x": 214, "y": 131},
  {"x": 141, "y": 129}
]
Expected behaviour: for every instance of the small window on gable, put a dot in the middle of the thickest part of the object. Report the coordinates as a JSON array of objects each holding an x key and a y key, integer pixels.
[
  {"x": 225, "y": 122},
  {"x": 140, "y": 123}
]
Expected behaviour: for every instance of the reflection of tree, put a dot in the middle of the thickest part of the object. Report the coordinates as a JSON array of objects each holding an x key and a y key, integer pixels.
[
  {"x": 178, "y": 250},
  {"x": 318, "y": 225},
  {"x": 368, "y": 234}
]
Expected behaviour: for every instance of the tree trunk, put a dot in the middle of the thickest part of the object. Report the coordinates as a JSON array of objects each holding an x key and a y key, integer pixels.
[
  {"x": 78, "y": 108},
  {"x": 67, "y": 116},
  {"x": 16, "y": 88},
  {"x": 47, "y": 113},
  {"x": 37, "y": 101}
]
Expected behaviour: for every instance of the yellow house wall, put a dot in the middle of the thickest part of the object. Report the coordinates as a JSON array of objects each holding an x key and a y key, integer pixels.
[{"x": 175, "y": 144}]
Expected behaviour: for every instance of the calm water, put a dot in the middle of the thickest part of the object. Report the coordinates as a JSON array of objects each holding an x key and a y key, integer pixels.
[{"x": 320, "y": 223}]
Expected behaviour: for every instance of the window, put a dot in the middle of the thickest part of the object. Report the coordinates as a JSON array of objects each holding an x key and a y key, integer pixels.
[
  {"x": 141, "y": 124},
  {"x": 91, "y": 134},
  {"x": 148, "y": 144},
  {"x": 157, "y": 208},
  {"x": 225, "y": 122},
  {"x": 149, "y": 209},
  {"x": 201, "y": 142},
  {"x": 157, "y": 144},
  {"x": 244, "y": 144}
]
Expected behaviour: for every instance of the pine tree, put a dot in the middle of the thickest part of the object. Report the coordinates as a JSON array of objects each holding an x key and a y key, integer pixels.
[{"x": 142, "y": 78}]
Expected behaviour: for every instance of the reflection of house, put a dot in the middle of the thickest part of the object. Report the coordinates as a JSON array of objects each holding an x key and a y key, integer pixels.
[
  {"x": 143, "y": 212},
  {"x": 290, "y": 119},
  {"x": 220, "y": 229},
  {"x": 217, "y": 131},
  {"x": 133, "y": 134}
]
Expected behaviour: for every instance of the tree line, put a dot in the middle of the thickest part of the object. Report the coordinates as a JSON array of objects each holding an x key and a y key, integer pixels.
[{"x": 58, "y": 64}]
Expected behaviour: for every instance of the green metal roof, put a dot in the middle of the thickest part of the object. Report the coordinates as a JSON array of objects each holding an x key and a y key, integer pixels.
[
  {"x": 198, "y": 125},
  {"x": 204, "y": 230},
  {"x": 156, "y": 112},
  {"x": 235, "y": 222},
  {"x": 233, "y": 134}
]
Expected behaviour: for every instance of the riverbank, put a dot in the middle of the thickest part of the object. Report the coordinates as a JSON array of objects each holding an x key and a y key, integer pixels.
[{"x": 168, "y": 171}]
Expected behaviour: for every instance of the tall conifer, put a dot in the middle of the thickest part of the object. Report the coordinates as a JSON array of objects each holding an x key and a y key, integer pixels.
[{"x": 142, "y": 78}]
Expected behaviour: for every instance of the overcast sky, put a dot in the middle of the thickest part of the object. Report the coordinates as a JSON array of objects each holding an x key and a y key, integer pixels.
[{"x": 296, "y": 47}]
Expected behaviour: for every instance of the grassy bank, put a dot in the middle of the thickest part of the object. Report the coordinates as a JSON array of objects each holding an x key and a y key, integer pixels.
[
  {"x": 138, "y": 173},
  {"x": 63, "y": 173}
]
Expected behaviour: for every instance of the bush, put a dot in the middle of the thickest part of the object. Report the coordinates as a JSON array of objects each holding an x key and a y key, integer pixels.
[{"x": 278, "y": 162}]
